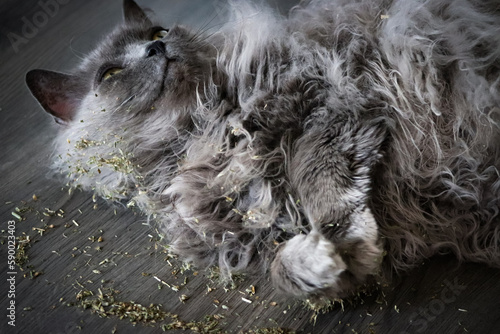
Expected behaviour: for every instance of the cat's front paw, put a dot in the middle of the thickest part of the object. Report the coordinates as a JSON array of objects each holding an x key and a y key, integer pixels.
[{"x": 307, "y": 265}]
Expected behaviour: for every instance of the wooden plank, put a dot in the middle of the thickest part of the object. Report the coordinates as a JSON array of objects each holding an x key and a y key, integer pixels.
[{"x": 129, "y": 257}]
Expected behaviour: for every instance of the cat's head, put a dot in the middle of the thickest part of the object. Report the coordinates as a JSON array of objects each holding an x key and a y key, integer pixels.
[
  {"x": 134, "y": 92},
  {"x": 138, "y": 67}
]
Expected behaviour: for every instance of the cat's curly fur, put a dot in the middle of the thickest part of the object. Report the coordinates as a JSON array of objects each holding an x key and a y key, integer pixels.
[{"x": 309, "y": 146}]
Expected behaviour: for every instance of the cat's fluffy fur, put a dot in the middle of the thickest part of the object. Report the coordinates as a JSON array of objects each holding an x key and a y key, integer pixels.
[{"x": 307, "y": 145}]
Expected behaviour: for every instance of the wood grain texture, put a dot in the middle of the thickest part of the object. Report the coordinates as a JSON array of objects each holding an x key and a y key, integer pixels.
[{"x": 441, "y": 296}]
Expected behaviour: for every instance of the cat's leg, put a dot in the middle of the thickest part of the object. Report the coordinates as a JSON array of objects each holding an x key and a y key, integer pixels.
[
  {"x": 306, "y": 265},
  {"x": 204, "y": 226},
  {"x": 194, "y": 224},
  {"x": 330, "y": 172},
  {"x": 314, "y": 265}
]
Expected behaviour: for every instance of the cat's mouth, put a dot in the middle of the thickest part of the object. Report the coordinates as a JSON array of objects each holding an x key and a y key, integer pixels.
[
  {"x": 168, "y": 64},
  {"x": 167, "y": 73}
]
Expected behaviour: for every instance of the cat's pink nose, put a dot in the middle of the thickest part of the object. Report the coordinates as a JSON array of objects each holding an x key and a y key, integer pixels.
[{"x": 155, "y": 48}]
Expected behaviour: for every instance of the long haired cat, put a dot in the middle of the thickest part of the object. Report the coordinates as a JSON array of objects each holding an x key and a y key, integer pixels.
[{"x": 347, "y": 137}]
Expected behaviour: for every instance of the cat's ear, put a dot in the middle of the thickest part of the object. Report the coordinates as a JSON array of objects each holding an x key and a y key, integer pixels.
[
  {"x": 59, "y": 94},
  {"x": 133, "y": 13}
]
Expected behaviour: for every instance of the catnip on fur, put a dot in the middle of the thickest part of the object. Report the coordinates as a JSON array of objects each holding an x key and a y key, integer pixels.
[{"x": 321, "y": 147}]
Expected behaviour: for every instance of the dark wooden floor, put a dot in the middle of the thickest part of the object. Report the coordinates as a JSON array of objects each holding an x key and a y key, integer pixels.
[{"x": 77, "y": 245}]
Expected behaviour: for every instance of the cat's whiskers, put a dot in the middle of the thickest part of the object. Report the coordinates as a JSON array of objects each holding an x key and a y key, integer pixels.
[
  {"x": 203, "y": 29},
  {"x": 80, "y": 55},
  {"x": 127, "y": 100},
  {"x": 203, "y": 38}
]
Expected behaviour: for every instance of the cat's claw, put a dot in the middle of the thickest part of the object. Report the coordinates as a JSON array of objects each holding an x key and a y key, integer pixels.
[{"x": 307, "y": 264}]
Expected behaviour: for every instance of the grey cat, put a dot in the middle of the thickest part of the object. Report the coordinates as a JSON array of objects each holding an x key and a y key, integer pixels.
[{"x": 348, "y": 137}]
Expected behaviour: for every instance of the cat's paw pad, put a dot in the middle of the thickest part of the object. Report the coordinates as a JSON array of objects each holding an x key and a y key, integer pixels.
[{"x": 307, "y": 264}]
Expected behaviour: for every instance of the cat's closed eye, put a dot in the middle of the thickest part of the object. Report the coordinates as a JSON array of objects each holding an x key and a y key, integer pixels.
[
  {"x": 110, "y": 72},
  {"x": 159, "y": 34}
]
